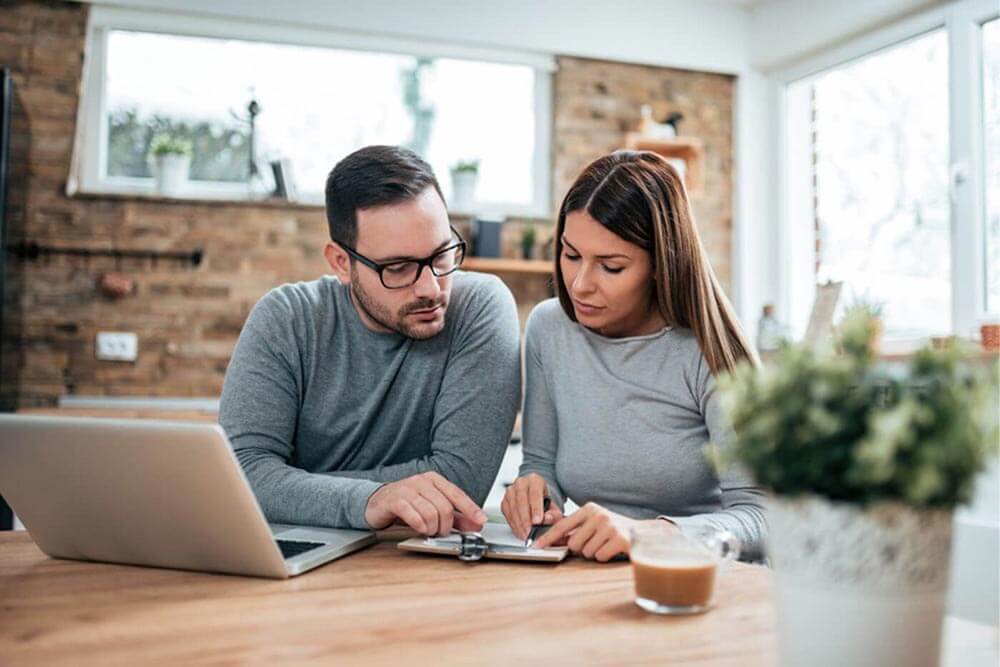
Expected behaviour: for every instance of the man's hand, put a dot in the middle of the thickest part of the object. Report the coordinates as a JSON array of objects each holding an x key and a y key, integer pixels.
[{"x": 427, "y": 502}]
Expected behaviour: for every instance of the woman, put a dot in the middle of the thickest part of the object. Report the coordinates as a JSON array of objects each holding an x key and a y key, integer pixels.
[{"x": 620, "y": 407}]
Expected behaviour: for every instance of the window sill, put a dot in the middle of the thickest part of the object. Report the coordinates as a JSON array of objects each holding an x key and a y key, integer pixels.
[
  {"x": 267, "y": 202},
  {"x": 904, "y": 349}
]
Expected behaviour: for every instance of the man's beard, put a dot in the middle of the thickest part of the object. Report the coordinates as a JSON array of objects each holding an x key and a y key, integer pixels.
[{"x": 398, "y": 323}]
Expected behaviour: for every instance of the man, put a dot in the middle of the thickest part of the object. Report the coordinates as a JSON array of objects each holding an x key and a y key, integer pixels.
[{"x": 387, "y": 391}]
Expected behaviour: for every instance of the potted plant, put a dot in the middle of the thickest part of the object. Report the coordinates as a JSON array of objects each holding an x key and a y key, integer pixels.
[
  {"x": 171, "y": 159},
  {"x": 527, "y": 240},
  {"x": 865, "y": 467},
  {"x": 464, "y": 175},
  {"x": 873, "y": 310}
]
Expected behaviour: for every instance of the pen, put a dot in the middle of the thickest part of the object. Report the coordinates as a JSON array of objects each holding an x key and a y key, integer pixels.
[{"x": 533, "y": 533}]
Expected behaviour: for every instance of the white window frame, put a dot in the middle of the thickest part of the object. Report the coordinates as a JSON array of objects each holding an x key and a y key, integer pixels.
[
  {"x": 962, "y": 22},
  {"x": 88, "y": 169}
]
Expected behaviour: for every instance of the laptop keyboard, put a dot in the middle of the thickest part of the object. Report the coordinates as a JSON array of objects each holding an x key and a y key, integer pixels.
[{"x": 292, "y": 548}]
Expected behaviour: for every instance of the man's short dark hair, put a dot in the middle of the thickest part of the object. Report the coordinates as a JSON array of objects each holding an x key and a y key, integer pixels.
[{"x": 373, "y": 176}]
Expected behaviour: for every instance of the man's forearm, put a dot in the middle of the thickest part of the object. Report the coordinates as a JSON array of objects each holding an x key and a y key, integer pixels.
[
  {"x": 290, "y": 495},
  {"x": 476, "y": 482}
]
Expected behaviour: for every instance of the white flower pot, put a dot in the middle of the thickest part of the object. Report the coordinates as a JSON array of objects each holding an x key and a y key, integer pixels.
[
  {"x": 858, "y": 586},
  {"x": 463, "y": 190},
  {"x": 171, "y": 173}
]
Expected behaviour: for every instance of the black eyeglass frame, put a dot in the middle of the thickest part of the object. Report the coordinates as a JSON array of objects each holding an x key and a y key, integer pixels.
[{"x": 421, "y": 263}]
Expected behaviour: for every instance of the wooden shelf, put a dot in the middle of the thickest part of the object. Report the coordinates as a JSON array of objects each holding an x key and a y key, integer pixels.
[
  {"x": 508, "y": 265},
  {"x": 689, "y": 149}
]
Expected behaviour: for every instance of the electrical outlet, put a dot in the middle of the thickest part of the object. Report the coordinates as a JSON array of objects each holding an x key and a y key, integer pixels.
[{"x": 117, "y": 346}]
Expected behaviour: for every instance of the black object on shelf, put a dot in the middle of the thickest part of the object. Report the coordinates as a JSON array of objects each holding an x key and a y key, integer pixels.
[
  {"x": 284, "y": 184},
  {"x": 32, "y": 251},
  {"x": 486, "y": 237}
]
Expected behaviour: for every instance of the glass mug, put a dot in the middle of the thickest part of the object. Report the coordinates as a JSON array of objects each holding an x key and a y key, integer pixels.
[{"x": 675, "y": 571}]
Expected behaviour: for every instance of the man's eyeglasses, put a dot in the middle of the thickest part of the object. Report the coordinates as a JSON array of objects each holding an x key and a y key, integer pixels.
[{"x": 403, "y": 273}]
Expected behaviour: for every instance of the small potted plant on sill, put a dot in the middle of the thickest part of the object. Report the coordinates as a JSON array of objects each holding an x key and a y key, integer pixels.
[
  {"x": 528, "y": 240},
  {"x": 464, "y": 176},
  {"x": 170, "y": 158},
  {"x": 865, "y": 470},
  {"x": 873, "y": 310}
]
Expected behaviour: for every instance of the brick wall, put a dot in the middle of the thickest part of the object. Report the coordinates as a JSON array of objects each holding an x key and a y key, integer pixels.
[
  {"x": 187, "y": 319},
  {"x": 597, "y": 102}
]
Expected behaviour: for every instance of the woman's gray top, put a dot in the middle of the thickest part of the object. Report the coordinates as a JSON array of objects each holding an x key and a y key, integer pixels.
[{"x": 627, "y": 422}]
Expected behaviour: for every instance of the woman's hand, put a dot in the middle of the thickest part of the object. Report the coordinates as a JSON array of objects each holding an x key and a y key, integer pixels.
[
  {"x": 592, "y": 531},
  {"x": 523, "y": 505}
]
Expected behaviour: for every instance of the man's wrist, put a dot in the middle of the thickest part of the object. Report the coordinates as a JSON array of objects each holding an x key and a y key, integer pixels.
[{"x": 365, "y": 505}]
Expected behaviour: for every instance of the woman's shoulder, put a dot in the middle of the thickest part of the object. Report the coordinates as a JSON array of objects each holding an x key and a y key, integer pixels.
[
  {"x": 685, "y": 348},
  {"x": 546, "y": 317},
  {"x": 687, "y": 354},
  {"x": 683, "y": 339},
  {"x": 548, "y": 330}
]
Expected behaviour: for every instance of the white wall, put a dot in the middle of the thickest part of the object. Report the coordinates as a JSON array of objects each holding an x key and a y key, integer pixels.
[
  {"x": 756, "y": 256},
  {"x": 696, "y": 35},
  {"x": 781, "y": 31},
  {"x": 975, "y": 553}
]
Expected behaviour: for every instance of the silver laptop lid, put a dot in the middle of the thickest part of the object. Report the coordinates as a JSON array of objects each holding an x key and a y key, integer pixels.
[{"x": 166, "y": 494}]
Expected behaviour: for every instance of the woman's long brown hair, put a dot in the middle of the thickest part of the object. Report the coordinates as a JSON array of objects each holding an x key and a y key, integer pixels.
[{"x": 640, "y": 197}]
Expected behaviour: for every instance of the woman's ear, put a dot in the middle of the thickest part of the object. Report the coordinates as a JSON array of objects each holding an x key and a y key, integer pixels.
[{"x": 339, "y": 261}]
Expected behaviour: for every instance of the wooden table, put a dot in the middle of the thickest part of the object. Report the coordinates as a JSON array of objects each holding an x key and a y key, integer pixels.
[
  {"x": 380, "y": 606},
  {"x": 377, "y": 606}
]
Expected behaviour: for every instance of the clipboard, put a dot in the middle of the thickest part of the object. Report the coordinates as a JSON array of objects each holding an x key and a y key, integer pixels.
[{"x": 494, "y": 541}]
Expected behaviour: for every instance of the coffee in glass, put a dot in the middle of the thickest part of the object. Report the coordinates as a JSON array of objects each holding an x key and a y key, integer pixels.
[{"x": 675, "y": 572}]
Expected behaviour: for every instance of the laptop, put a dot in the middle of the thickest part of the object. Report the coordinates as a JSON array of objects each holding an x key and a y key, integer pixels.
[{"x": 156, "y": 493}]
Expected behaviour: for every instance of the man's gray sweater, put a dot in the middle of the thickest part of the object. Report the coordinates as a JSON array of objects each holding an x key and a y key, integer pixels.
[{"x": 322, "y": 411}]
